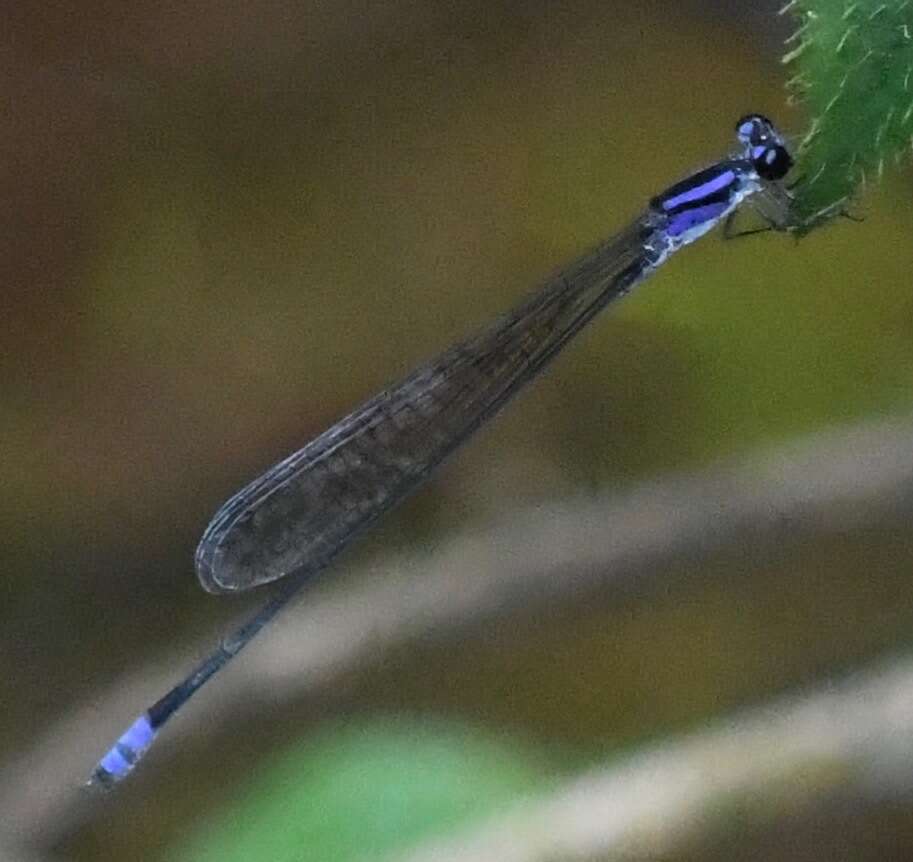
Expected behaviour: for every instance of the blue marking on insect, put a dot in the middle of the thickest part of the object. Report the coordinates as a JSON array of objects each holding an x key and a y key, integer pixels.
[
  {"x": 756, "y": 129},
  {"x": 692, "y": 223},
  {"x": 125, "y": 752},
  {"x": 764, "y": 147},
  {"x": 746, "y": 127},
  {"x": 706, "y": 185}
]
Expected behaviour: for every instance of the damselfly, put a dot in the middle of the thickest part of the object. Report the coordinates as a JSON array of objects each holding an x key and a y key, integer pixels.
[{"x": 293, "y": 520}]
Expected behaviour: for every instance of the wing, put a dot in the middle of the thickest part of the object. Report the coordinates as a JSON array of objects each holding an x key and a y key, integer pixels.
[{"x": 303, "y": 511}]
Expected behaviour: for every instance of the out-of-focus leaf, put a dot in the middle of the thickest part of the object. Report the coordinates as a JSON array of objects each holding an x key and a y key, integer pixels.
[{"x": 364, "y": 792}]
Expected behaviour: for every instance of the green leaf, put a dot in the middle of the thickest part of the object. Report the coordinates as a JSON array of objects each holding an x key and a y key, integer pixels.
[
  {"x": 365, "y": 792},
  {"x": 853, "y": 62}
]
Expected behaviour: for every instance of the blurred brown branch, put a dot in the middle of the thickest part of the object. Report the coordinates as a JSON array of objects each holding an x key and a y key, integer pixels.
[
  {"x": 559, "y": 554},
  {"x": 854, "y": 740}
]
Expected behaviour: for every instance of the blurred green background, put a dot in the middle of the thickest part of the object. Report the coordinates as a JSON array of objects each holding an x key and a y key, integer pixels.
[{"x": 226, "y": 224}]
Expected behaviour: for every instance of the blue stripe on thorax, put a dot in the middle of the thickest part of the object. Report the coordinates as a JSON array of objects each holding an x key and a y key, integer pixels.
[
  {"x": 691, "y": 223},
  {"x": 716, "y": 184}
]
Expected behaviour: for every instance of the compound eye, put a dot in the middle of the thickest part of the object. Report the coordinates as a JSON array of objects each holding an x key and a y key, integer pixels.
[{"x": 774, "y": 163}]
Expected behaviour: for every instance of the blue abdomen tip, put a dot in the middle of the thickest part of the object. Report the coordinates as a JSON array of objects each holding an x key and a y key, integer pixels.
[{"x": 131, "y": 746}]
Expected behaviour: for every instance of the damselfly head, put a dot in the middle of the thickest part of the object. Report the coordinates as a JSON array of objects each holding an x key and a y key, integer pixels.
[{"x": 764, "y": 146}]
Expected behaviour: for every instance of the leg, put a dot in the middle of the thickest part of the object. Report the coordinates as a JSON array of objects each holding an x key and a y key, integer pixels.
[{"x": 731, "y": 233}]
